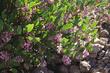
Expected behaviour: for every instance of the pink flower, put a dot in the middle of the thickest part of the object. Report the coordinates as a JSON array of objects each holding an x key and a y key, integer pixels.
[
  {"x": 27, "y": 45},
  {"x": 96, "y": 10},
  {"x": 66, "y": 60},
  {"x": 5, "y": 37},
  {"x": 25, "y": 8},
  {"x": 49, "y": 26},
  {"x": 85, "y": 53},
  {"x": 4, "y": 55},
  {"x": 19, "y": 59},
  {"x": 43, "y": 63},
  {"x": 85, "y": 11},
  {"x": 57, "y": 38}
]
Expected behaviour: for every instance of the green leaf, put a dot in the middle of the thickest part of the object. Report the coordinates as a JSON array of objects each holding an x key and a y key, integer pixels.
[
  {"x": 37, "y": 39},
  {"x": 19, "y": 30},
  {"x": 32, "y": 4},
  {"x": 67, "y": 26},
  {"x": 30, "y": 38},
  {"x": 21, "y": 2},
  {"x": 29, "y": 27},
  {"x": 2, "y": 65},
  {"x": 93, "y": 33},
  {"x": 76, "y": 20},
  {"x": 64, "y": 40},
  {"x": 73, "y": 54},
  {"x": 37, "y": 23},
  {"x": 1, "y": 25},
  {"x": 101, "y": 4},
  {"x": 14, "y": 70},
  {"x": 94, "y": 24},
  {"x": 52, "y": 18},
  {"x": 84, "y": 27}
]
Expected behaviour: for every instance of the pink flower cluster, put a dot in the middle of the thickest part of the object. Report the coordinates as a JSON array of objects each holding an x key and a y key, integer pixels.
[
  {"x": 85, "y": 53},
  {"x": 57, "y": 38},
  {"x": 27, "y": 45},
  {"x": 19, "y": 59},
  {"x": 43, "y": 63},
  {"x": 25, "y": 8},
  {"x": 66, "y": 60},
  {"x": 4, "y": 55},
  {"x": 49, "y": 26},
  {"x": 5, "y": 38}
]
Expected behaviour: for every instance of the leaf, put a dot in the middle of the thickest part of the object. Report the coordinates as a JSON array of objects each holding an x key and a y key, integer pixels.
[
  {"x": 21, "y": 2},
  {"x": 2, "y": 65},
  {"x": 19, "y": 30},
  {"x": 73, "y": 54},
  {"x": 52, "y": 18},
  {"x": 67, "y": 26},
  {"x": 29, "y": 27},
  {"x": 32, "y": 4},
  {"x": 101, "y": 4},
  {"x": 65, "y": 50},
  {"x": 64, "y": 40},
  {"x": 30, "y": 38},
  {"x": 76, "y": 20},
  {"x": 93, "y": 33},
  {"x": 13, "y": 70},
  {"x": 37, "y": 39},
  {"x": 37, "y": 23},
  {"x": 84, "y": 27},
  {"x": 1, "y": 25},
  {"x": 94, "y": 24}
]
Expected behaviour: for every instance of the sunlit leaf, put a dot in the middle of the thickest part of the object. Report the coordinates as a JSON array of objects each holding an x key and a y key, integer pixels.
[
  {"x": 67, "y": 26},
  {"x": 29, "y": 27}
]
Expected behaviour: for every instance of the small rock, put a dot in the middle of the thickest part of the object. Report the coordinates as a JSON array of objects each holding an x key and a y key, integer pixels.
[
  {"x": 62, "y": 69},
  {"x": 104, "y": 33},
  {"x": 84, "y": 66},
  {"x": 50, "y": 71},
  {"x": 92, "y": 62},
  {"x": 93, "y": 55},
  {"x": 74, "y": 69},
  {"x": 96, "y": 40},
  {"x": 101, "y": 54},
  {"x": 101, "y": 64},
  {"x": 107, "y": 46},
  {"x": 107, "y": 54},
  {"x": 108, "y": 65},
  {"x": 105, "y": 59},
  {"x": 98, "y": 70},
  {"x": 108, "y": 71},
  {"x": 42, "y": 70},
  {"x": 97, "y": 47},
  {"x": 103, "y": 41}
]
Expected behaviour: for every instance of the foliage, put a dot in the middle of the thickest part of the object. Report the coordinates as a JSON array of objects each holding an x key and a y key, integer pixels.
[{"x": 31, "y": 30}]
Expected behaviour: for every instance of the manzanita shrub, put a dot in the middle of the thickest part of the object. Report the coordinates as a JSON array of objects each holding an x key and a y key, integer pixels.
[{"x": 31, "y": 30}]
